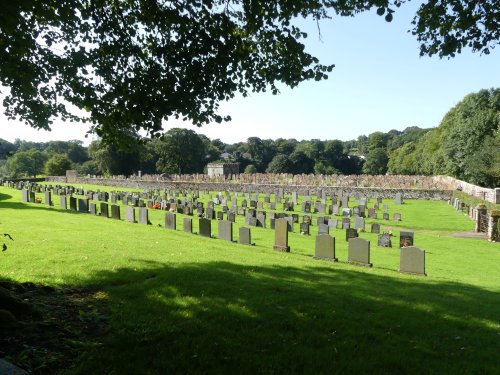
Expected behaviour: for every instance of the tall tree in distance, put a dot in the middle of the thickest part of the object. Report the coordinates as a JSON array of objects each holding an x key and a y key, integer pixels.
[{"x": 180, "y": 151}]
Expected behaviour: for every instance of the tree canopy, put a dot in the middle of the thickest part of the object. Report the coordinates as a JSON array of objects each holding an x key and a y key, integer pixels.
[{"x": 130, "y": 65}]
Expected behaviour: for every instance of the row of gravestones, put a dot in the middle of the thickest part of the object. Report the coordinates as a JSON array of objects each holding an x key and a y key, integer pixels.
[{"x": 412, "y": 259}]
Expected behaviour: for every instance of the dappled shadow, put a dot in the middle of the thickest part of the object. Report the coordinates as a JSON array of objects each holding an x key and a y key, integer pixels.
[
  {"x": 4, "y": 196},
  {"x": 221, "y": 317}
]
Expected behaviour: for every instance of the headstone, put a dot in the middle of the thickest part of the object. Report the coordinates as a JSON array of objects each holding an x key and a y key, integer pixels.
[
  {"x": 245, "y": 236},
  {"x": 231, "y": 216},
  {"x": 335, "y": 209},
  {"x": 398, "y": 199},
  {"x": 261, "y": 220},
  {"x": 83, "y": 205},
  {"x": 346, "y": 212},
  {"x": 225, "y": 228},
  {"x": 304, "y": 229},
  {"x": 412, "y": 260},
  {"x": 115, "y": 212},
  {"x": 350, "y": 233},
  {"x": 104, "y": 209},
  {"x": 375, "y": 228},
  {"x": 25, "y": 196},
  {"x": 359, "y": 252},
  {"x": 143, "y": 215},
  {"x": 325, "y": 247},
  {"x": 359, "y": 223},
  {"x": 72, "y": 203},
  {"x": 406, "y": 239},
  {"x": 385, "y": 216},
  {"x": 384, "y": 240},
  {"x": 281, "y": 235},
  {"x": 333, "y": 223},
  {"x": 205, "y": 226},
  {"x": 323, "y": 229},
  {"x": 48, "y": 198},
  {"x": 171, "y": 220},
  {"x": 346, "y": 223},
  {"x": 32, "y": 197},
  {"x": 372, "y": 214},
  {"x": 397, "y": 217},
  {"x": 62, "y": 202},
  {"x": 92, "y": 208},
  {"x": 220, "y": 215},
  {"x": 130, "y": 214},
  {"x": 187, "y": 223}
]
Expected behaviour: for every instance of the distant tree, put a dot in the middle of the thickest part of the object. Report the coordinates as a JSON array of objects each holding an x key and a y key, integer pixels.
[
  {"x": 57, "y": 165},
  {"x": 250, "y": 169},
  {"x": 322, "y": 168},
  {"x": 285, "y": 146},
  {"x": 181, "y": 151},
  {"x": 302, "y": 164},
  {"x": 376, "y": 162},
  {"x": 280, "y": 164},
  {"x": 27, "y": 163},
  {"x": 89, "y": 167},
  {"x": 113, "y": 161}
]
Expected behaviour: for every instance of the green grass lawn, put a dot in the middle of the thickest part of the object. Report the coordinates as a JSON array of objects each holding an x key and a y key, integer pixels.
[{"x": 181, "y": 303}]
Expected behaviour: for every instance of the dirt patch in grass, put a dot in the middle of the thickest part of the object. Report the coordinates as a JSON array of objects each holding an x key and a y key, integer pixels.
[{"x": 59, "y": 326}]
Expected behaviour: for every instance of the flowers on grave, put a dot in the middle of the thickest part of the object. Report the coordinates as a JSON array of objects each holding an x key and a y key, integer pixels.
[
  {"x": 155, "y": 206},
  {"x": 38, "y": 200}
]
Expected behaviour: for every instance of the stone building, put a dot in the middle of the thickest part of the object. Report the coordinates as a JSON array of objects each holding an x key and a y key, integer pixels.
[{"x": 223, "y": 169}]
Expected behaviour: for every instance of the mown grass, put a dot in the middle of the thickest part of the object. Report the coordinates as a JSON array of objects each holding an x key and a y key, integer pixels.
[{"x": 181, "y": 303}]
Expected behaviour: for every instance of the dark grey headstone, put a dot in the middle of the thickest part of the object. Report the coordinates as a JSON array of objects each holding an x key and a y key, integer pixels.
[
  {"x": 231, "y": 216},
  {"x": 188, "y": 224},
  {"x": 375, "y": 228},
  {"x": 281, "y": 235},
  {"x": 83, "y": 205},
  {"x": 412, "y": 260},
  {"x": 225, "y": 229},
  {"x": 130, "y": 214},
  {"x": 72, "y": 203},
  {"x": 304, "y": 228},
  {"x": 104, "y": 209},
  {"x": 220, "y": 215},
  {"x": 171, "y": 220},
  {"x": 325, "y": 247},
  {"x": 346, "y": 223},
  {"x": 205, "y": 226},
  {"x": 406, "y": 239},
  {"x": 115, "y": 212},
  {"x": 261, "y": 220},
  {"x": 32, "y": 197},
  {"x": 385, "y": 216},
  {"x": 92, "y": 208},
  {"x": 350, "y": 233},
  {"x": 359, "y": 252}
]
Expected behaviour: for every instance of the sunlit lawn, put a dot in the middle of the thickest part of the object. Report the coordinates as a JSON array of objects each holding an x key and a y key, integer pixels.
[{"x": 181, "y": 303}]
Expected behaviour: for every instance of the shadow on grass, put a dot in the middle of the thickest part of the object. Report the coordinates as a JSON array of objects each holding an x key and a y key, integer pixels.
[{"x": 227, "y": 318}]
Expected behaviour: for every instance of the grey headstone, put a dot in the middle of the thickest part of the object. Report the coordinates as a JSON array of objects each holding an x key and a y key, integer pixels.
[
  {"x": 245, "y": 236},
  {"x": 346, "y": 223},
  {"x": 359, "y": 223},
  {"x": 398, "y": 199},
  {"x": 83, "y": 205},
  {"x": 130, "y": 214},
  {"x": 281, "y": 235},
  {"x": 115, "y": 212},
  {"x": 72, "y": 203},
  {"x": 397, "y": 217},
  {"x": 187, "y": 223},
  {"x": 412, "y": 260},
  {"x": 325, "y": 247},
  {"x": 323, "y": 229},
  {"x": 359, "y": 252},
  {"x": 346, "y": 212},
  {"x": 62, "y": 202},
  {"x": 261, "y": 220},
  {"x": 384, "y": 240},
  {"x": 171, "y": 220},
  {"x": 205, "y": 226},
  {"x": 385, "y": 216},
  {"x": 333, "y": 223},
  {"x": 25, "y": 196},
  {"x": 225, "y": 228},
  {"x": 143, "y": 215},
  {"x": 92, "y": 208},
  {"x": 48, "y": 198},
  {"x": 375, "y": 228}
]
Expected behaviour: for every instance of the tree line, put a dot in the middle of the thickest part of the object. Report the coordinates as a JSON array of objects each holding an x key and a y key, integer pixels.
[{"x": 466, "y": 145}]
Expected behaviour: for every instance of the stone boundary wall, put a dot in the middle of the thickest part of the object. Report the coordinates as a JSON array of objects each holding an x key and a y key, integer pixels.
[
  {"x": 371, "y": 192},
  {"x": 450, "y": 183}
]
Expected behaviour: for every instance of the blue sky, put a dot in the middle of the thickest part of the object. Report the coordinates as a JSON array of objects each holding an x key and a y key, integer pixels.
[{"x": 379, "y": 83}]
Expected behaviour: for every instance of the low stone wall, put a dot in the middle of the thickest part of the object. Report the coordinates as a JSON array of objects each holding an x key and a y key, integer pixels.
[
  {"x": 371, "y": 192},
  {"x": 450, "y": 183}
]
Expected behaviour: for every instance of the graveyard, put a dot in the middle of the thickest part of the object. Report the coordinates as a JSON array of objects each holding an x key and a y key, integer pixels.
[{"x": 189, "y": 294}]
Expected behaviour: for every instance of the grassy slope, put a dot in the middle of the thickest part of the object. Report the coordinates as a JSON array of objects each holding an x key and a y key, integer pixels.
[{"x": 184, "y": 303}]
